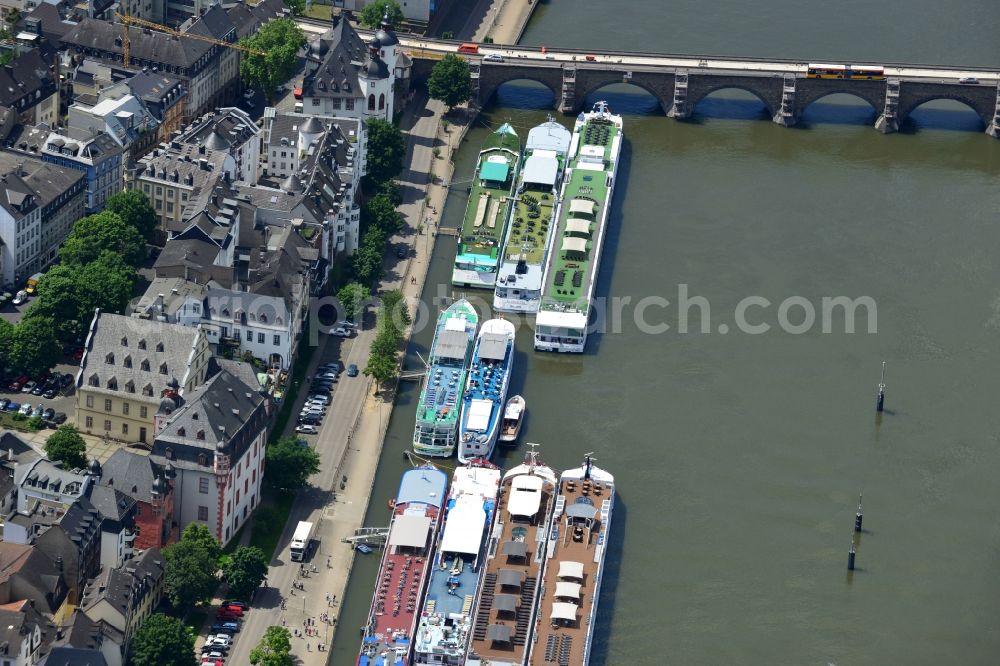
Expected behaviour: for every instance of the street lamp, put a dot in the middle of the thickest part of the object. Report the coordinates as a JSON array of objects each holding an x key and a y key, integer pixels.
[{"x": 303, "y": 605}]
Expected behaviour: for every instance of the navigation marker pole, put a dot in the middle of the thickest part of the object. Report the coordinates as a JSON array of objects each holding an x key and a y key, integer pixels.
[
  {"x": 850, "y": 557},
  {"x": 858, "y": 517},
  {"x": 880, "y": 401}
]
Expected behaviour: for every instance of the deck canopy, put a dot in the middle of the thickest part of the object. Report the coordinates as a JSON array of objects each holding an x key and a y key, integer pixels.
[
  {"x": 410, "y": 530},
  {"x": 515, "y": 549},
  {"x": 525, "y": 495},
  {"x": 575, "y": 225},
  {"x": 478, "y": 415},
  {"x": 463, "y": 533},
  {"x": 452, "y": 344},
  {"x": 574, "y": 244},
  {"x": 571, "y": 569},
  {"x": 498, "y": 633},
  {"x": 563, "y": 611},
  {"x": 541, "y": 170},
  {"x": 510, "y": 578},
  {"x": 493, "y": 346},
  {"x": 495, "y": 169},
  {"x": 581, "y": 511},
  {"x": 568, "y": 590},
  {"x": 549, "y": 136},
  {"x": 505, "y": 603},
  {"x": 582, "y": 206}
]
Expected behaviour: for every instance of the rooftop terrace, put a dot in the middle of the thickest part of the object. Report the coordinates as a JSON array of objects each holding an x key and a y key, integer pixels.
[{"x": 490, "y": 195}]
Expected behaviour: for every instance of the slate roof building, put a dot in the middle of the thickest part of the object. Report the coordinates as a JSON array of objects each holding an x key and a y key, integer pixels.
[
  {"x": 133, "y": 368},
  {"x": 30, "y": 87},
  {"x": 125, "y": 596},
  {"x": 27, "y": 573},
  {"x": 164, "y": 96},
  {"x": 148, "y": 485},
  {"x": 25, "y": 633},
  {"x": 215, "y": 442},
  {"x": 231, "y": 131}
]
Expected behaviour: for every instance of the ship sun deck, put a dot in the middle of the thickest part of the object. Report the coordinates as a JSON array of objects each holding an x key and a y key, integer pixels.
[
  {"x": 506, "y": 603},
  {"x": 579, "y": 533},
  {"x": 585, "y": 194}
]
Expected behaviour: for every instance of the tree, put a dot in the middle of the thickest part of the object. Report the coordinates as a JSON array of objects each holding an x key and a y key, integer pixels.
[
  {"x": 450, "y": 80},
  {"x": 368, "y": 258},
  {"x": 381, "y": 213},
  {"x": 394, "y": 307},
  {"x": 352, "y": 296},
  {"x": 34, "y": 348},
  {"x": 280, "y": 41},
  {"x": 69, "y": 293},
  {"x": 101, "y": 232},
  {"x": 386, "y": 150},
  {"x": 273, "y": 649},
  {"x": 191, "y": 566},
  {"x": 383, "y": 368},
  {"x": 371, "y": 15},
  {"x": 162, "y": 640},
  {"x": 245, "y": 571},
  {"x": 6, "y": 339},
  {"x": 297, "y": 6},
  {"x": 390, "y": 189},
  {"x": 133, "y": 207},
  {"x": 289, "y": 464},
  {"x": 67, "y": 446}
]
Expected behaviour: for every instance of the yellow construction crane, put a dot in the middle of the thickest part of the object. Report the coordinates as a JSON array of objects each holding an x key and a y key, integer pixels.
[{"x": 131, "y": 20}]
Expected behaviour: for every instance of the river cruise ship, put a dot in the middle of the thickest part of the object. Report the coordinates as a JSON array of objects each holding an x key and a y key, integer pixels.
[
  {"x": 436, "y": 429},
  {"x": 585, "y": 204},
  {"x": 486, "y": 390},
  {"x": 508, "y": 595},
  {"x": 457, "y": 565},
  {"x": 402, "y": 574},
  {"x": 487, "y": 212},
  {"x": 532, "y": 224},
  {"x": 574, "y": 567}
]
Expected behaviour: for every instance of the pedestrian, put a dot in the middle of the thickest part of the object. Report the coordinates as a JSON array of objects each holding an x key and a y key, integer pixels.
[{"x": 308, "y": 649}]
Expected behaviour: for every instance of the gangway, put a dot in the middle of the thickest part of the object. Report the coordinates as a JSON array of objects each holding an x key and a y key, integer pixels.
[{"x": 368, "y": 535}]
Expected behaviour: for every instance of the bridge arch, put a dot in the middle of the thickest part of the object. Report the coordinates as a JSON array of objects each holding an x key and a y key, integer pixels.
[
  {"x": 698, "y": 92},
  {"x": 807, "y": 107},
  {"x": 588, "y": 84},
  {"x": 806, "y": 97},
  {"x": 976, "y": 106},
  {"x": 486, "y": 94}
]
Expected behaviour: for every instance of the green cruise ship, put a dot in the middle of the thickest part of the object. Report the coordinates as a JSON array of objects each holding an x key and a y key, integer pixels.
[
  {"x": 488, "y": 210},
  {"x": 574, "y": 257}
]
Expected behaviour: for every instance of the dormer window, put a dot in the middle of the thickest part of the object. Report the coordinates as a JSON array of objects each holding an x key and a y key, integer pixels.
[
  {"x": 124, "y": 341},
  {"x": 142, "y": 343},
  {"x": 144, "y": 365},
  {"x": 200, "y": 434},
  {"x": 163, "y": 368},
  {"x": 225, "y": 312},
  {"x": 203, "y": 460},
  {"x": 253, "y": 317},
  {"x": 130, "y": 386},
  {"x": 127, "y": 362},
  {"x": 113, "y": 384},
  {"x": 182, "y": 432},
  {"x": 263, "y": 318},
  {"x": 159, "y": 346},
  {"x": 94, "y": 380},
  {"x": 147, "y": 390},
  {"x": 110, "y": 359}
]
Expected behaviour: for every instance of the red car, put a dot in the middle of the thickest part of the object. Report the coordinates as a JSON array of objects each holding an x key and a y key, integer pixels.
[
  {"x": 297, "y": 93},
  {"x": 233, "y": 608},
  {"x": 18, "y": 383},
  {"x": 229, "y": 614},
  {"x": 78, "y": 354}
]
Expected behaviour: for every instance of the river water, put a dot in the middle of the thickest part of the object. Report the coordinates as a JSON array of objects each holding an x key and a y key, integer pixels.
[{"x": 739, "y": 457}]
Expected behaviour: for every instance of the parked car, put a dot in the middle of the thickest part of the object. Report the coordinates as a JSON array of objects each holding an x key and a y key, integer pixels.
[
  {"x": 968, "y": 80},
  {"x": 25, "y": 409},
  {"x": 221, "y": 639},
  {"x": 48, "y": 413},
  {"x": 352, "y": 370},
  {"x": 78, "y": 354},
  {"x": 13, "y": 406},
  {"x": 208, "y": 661},
  {"x": 66, "y": 380},
  {"x": 343, "y": 332},
  {"x": 320, "y": 397},
  {"x": 493, "y": 57},
  {"x": 310, "y": 420},
  {"x": 59, "y": 418},
  {"x": 29, "y": 386},
  {"x": 20, "y": 298},
  {"x": 401, "y": 253},
  {"x": 50, "y": 394},
  {"x": 38, "y": 410},
  {"x": 213, "y": 653},
  {"x": 238, "y": 604},
  {"x": 3, "y": 404},
  {"x": 38, "y": 390},
  {"x": 306, "y": 429},
  {"x": 224, "y": 628},
  {"x": 590, "y": 58},
  {"x": 235, "y": 613},
  {"x": 332, "y": 376}
]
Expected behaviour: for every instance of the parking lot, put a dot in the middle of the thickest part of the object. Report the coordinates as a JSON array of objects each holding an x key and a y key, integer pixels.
[{"x": 64, "y": 400}]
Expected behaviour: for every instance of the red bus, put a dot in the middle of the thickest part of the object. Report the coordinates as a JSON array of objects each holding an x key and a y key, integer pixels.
[{"x": 468, "y": 47}]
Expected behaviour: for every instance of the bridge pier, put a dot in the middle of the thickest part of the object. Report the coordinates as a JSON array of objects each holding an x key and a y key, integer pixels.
[
  {"x": 786, "y": 116},
  {"x": 994, "y": 129},
  {"x": 679, "y": 109},
  {"x": 889, "y": 120},
  {"x": 567, "y": 101}
]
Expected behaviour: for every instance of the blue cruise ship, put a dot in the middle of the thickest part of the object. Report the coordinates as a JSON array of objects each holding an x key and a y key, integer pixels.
[
  {"x": 486, "y": 390},
  {"x": 446, "y": 619}
]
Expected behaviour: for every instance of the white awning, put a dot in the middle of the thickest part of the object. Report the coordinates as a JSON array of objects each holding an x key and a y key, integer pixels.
[
  {"x": 568, "y": 590},
  {"x": 574, "y": 244},
  {"x": 463, "y": 532},
  {"x": 410, "y": 530},
  {"x": 571, "y": 569},
  {"x": 525, "y": 495},
  {"x": 541, "y": 170},
  {"x": 561, "y": 611},
  {"x": 578, "y": 226},
  {"x": 478, "y": 417},
  {"x": 585, "y": 206}
]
